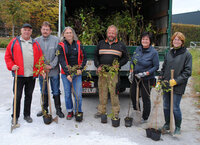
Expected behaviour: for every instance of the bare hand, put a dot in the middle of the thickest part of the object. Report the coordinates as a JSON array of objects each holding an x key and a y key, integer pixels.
[
  {"x": 79, "y": 72},
  {"x": 47, "y": 68},
  {"x": 69, "y": 78},
  {"x": 99, "y": 69},
  {"x": 15, "y": 67}
]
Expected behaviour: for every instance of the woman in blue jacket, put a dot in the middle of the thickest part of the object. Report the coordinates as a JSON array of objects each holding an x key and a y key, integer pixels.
[{"x": 144, "y": 64}]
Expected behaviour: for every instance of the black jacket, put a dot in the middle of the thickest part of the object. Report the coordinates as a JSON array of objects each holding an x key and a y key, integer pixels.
[{"x": 181, "y": 61}]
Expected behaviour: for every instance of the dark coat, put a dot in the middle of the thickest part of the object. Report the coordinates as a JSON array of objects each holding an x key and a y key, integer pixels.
[{"x": 181, "y": 61}]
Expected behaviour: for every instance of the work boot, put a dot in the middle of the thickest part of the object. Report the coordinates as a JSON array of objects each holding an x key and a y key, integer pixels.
[
  {"x": 57, "y": 106},
  {"x": 97, "y": 115},
  {"x": 12, "y": 121},
  {"x": 70, "y": 115},
  {"x": 28, "y": 119},
  {"x": 39, "y": 114}
]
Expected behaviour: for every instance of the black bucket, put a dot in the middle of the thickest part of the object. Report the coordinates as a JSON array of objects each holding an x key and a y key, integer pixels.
[
  {"x": 47, "y": 119},
  {"x": 115, "y": 122},
  {"x": 103, "y": 118},
  {"x": 148, "y": 132},
  {"x": 155, "y": 134},
  {"x": 128, "y": 121},
  {"x": 79, "y": 116}
]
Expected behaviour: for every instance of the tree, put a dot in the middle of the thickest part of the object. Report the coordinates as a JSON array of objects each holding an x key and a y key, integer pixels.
[{"x": 13, "y": 12}]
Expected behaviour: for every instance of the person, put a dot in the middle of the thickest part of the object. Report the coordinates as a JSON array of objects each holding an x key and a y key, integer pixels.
[
  {"x": 22, "y": 54},
  {"x": 144, "y": 64},
  {"x": 71, "y": 54},
  {"x": 180, "y": 60},
  {"x": 49, "y": 45},
  {"x": 107, "y": 51}
]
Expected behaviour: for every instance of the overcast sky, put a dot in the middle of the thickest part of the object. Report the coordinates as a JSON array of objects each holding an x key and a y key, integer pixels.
[{"x": 182, "y": 6}]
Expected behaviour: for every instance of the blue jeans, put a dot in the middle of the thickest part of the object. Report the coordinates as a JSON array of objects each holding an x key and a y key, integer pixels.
[
  {"x": 176, "y": 106},
  {"x": 55, "y": 85},
  {"x": 77, "y": 85}
]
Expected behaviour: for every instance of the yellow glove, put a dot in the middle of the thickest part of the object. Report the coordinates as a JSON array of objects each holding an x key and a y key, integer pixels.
[{"x": 172, "y": 82}]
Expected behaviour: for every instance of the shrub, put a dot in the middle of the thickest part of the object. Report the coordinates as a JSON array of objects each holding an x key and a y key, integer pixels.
[{"x": 4, "y": 41}]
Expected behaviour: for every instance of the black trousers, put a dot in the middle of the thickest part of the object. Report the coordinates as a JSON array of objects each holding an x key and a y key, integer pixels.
[
  {"x": 28, "y": 84},
  {"x": 144, "y": 92}
]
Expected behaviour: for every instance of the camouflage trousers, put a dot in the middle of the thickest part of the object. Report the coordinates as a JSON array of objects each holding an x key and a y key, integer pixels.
[{"x": 107, "y": 83}]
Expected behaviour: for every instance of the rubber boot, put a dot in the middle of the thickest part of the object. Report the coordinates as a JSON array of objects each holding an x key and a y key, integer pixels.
[
  {"x": 166, "y": 126},
  {"x": 58, "y": 106},
  {"x": 177, "y": 130}
]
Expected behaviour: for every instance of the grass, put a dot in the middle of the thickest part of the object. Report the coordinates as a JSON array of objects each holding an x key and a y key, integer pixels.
[
  {"x": 4, "y": 41},
  {"x": 196, "y": 68}
]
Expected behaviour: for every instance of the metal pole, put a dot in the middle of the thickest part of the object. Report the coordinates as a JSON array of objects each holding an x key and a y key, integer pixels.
[{"x": 59, "y": 19}]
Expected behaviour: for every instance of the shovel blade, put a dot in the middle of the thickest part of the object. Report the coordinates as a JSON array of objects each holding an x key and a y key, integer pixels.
[
  {"x": 137, "y": 117},
  {"x": 55, "y": 119},
  {"x": 13, "y": 126}
]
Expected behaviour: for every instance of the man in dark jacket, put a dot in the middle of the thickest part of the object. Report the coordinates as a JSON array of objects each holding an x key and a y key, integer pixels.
[{"x": 106, "y": 53}]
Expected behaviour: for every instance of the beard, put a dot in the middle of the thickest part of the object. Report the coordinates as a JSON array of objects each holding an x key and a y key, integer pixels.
[{"x": 111, "y": 39}]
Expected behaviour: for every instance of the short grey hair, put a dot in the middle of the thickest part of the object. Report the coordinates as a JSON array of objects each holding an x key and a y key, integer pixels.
[
  {"x": 112, "y": 26},
  {"x": 74, "y": 34}
]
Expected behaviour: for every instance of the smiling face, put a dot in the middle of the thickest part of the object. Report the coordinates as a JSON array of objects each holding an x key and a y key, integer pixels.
[
  {"x": 46, "y": 31},
  {"x": 26, "y": 33},
  {"x": 68, "y": 34},
  {"x": 111, "y": 34},
  {"x": 145, "y": 42},
  {"x": 177, "y": 42}
]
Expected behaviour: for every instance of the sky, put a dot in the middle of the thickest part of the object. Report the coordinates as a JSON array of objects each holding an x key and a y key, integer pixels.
[{"x": 183, "y": 6}]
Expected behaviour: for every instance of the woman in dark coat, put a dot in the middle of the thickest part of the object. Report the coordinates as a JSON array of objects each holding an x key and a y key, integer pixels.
[
  {"x": 180, "y": 60},
  {"x": 144, "y": 64}
]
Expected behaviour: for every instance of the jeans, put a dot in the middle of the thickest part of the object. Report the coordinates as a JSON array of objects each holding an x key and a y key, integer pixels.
[
  {"x": 77, "y": 93},
  {"x": 55, "y": 85},
  {"x": 176, "y": 106},
  {"x": 28, "y": 84}
]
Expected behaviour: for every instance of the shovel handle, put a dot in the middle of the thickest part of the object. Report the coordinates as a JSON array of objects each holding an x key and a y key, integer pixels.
[{"x": 171, "y": 103}]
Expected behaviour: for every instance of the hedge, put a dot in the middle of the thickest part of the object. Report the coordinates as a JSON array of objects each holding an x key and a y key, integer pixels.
[
  {"x": 4, "y": 41},
  {"x": 191, "y": 32}
]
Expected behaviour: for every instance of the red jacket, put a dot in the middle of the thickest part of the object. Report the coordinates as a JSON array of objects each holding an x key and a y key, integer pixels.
[
  {"x": 80, "y": 54},
  {"x": 14, "y": 56}
]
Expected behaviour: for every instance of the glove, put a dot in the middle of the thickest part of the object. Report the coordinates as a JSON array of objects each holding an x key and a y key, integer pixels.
[
  {"x": 130, "y": 77},
  {"x": 172, "y": 82},
  {"x": 141, "y": 75}
]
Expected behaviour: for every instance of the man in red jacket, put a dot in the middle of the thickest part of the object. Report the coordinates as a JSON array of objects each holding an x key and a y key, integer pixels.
[{"x": 22, "y": 54}]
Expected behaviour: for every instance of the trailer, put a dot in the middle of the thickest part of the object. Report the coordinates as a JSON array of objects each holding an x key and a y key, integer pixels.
[{"x": 158, "y": 11}]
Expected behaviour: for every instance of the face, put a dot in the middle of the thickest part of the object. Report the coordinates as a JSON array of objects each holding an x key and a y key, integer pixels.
[
  {"x": 145, "y": 42},
  {"x": 46, "y": 31},
  {"x": 26, "y": 33},
  {"x": 177, "y": 42},
  {"x": 68, "y": 34},
  {"x": 111, "y": 34}
]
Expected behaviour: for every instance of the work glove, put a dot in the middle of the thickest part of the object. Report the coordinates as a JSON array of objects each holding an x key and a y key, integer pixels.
[
  {"x": 172, "y": 82},
  {"x": 130, "y": 77},
  {"x": 141, "y": 75}
]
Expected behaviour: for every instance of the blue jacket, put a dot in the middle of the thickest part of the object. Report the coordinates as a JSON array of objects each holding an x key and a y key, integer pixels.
[{"x": 146, "y": 60}]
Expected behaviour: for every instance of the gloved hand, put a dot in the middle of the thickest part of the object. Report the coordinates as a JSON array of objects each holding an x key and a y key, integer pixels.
[
  {"x": 172, "y": 82},
  {"x": 140, "y": 75},
  {"x": 130, "y": 77}
]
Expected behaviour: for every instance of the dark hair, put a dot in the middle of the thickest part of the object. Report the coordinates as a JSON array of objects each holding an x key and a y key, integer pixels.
[
  {"x": 46, "y": 23},
  {"x": 148, "y": 35}
]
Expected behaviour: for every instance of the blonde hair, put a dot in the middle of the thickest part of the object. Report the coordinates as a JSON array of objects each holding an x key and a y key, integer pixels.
[
  {"x": 74, "y": 34},
  {"x": 180, "y": 36}
]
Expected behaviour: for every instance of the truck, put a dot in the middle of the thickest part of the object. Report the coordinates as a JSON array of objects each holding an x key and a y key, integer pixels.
[{"x": 158, "y": 11}]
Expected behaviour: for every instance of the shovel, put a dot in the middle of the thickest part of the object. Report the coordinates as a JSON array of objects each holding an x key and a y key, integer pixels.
[
  {"x": 138, "y": 114},
  {"x": 171, "y": 104},
  {"x": 14, "y": 124},
  {"x": 49, "y": 100}
]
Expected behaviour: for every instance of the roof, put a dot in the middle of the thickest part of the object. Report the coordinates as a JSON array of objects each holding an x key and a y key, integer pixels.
[{"x": 187, "y": 18}]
